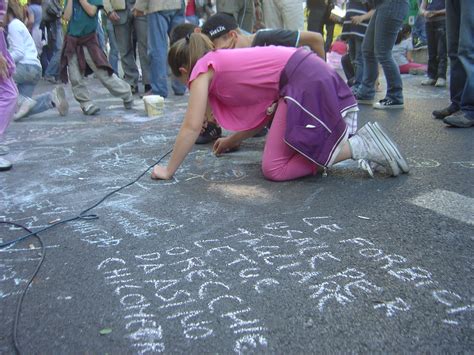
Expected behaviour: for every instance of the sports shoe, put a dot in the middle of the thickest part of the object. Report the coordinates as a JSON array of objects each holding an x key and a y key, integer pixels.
[
  {"x": 5, "y": 164},
  {"x": 459, "y": 119},
  {"x": 387, "y": 104},
  {"x": 211, "y": 133},
  {"x": 25, "y": 104},
  {"x": 58, "y": 96},
  {"x": 444, "y": 112},
  {"x": 440, "y": 83},
  {"x": 91, "y": 110},
  {"x": 392, "y": 146},
  {"x": 428, "y": 82},
  {"x": 366, "y": 145}
]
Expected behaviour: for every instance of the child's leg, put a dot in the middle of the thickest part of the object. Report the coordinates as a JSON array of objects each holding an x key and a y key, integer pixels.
[
  {"x": 79, "y": 89},
  {"x": 116, "y": 86},
  {"x": 8, "y": 97},
  {"x": 280, "y": 162}
]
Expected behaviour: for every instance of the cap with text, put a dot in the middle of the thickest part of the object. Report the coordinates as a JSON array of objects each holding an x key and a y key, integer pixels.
[{"x": 218, "y": 25}]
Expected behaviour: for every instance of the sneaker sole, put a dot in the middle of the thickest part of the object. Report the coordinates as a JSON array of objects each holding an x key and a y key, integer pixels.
[
  {"x": 395, "y": 150},
  {"x": 395, "y": 170},
  {"x": 391, "y": 107},
  {"x": 63, "y": 107}
]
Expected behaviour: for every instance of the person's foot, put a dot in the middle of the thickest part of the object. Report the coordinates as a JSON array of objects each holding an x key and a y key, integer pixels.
[
  {"x": 58, "y": 96},
  {"x": 365, "y": 144},
  {"x": 387, "y": 104},
  {"x": 24, "y": 107},
  {"x": 428, "y": 82},
  {"x": 90, "y": 110},
  {"x": 393, "y": 148},
  {"x": 211, "y": 133},
  {"x": 459, "y": 119},
  {"x": 128, "y": 104},
  {"x": 445, "y": 112},
  {"x": 5, "y": 164},
  {"x": 440, "y": 83}
]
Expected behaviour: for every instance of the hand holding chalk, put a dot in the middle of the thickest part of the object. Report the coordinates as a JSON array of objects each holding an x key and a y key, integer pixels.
[{"x": 160, "y": 173}]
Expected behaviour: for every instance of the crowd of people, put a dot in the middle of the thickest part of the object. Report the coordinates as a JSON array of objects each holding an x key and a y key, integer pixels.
[{"x": 281, "y": 66}]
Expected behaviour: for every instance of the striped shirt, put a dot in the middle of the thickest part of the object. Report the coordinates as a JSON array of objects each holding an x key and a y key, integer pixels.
[{"x": 355, "y": 8}]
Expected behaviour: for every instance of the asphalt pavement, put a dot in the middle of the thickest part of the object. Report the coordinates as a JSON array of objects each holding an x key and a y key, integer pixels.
[{"x": 220, "y": 260}]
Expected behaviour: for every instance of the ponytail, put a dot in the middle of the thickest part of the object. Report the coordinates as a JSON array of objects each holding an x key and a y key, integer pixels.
[{"x": 187, "y": 51}]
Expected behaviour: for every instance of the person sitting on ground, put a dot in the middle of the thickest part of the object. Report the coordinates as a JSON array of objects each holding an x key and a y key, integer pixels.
[
  {"x": 315, "y": 114},
  {"x": 403, "y": 53},
  {"x": 82, "y": 55},
  {"x": 22, "y": 49}
]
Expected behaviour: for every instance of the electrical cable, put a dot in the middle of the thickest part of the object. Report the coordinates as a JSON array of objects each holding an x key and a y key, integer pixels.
[{"x": 82, "y": 215}]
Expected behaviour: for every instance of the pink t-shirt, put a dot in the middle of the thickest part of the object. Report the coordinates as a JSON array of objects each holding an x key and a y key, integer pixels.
[{"x": 245, "y": 83}]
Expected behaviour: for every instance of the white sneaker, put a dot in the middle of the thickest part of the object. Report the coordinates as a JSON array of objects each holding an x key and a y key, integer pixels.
[
  {"x": 58, "y": 96},
  {"x": 366, "y": 145},
  {"x": 5, "y": 164},
  {"x": 440, "y": 83},
  {"x": 25, "y": 104},
  {"x": 428, "y": 82},
  {"x": 391, "y": 145}
]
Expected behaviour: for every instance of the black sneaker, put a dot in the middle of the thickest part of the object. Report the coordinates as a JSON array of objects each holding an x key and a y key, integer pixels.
[
  {"x": 445, "y": 112},
  {"x": 387, "y": 104},
  {"x": 211, "y": 133}
]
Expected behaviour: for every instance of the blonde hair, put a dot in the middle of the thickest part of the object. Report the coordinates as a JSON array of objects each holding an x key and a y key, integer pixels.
[{"x": 187, "y": 51}]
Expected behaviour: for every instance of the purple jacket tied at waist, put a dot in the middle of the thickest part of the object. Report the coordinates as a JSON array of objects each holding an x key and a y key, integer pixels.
[
  {"x": 317, "y": 97},
  {"x": 75, "y": 45}
]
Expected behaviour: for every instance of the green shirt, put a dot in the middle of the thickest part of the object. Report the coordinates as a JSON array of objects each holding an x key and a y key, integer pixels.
[{"x": 81, "y": 24}]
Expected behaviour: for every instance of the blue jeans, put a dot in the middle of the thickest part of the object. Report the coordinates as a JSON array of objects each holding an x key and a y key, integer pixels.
[
  {"x": 26, "y": 77},
  {"x": 160, "y": 24},
  {"x": 377, "y": 48},
  {"x": 419, "y": 30},
  {"x": 113, "y": 52},
  {"x": 460, "y": 27},
  {"x": 52, "y": 69},
  {"x": 355, "y": 52}
]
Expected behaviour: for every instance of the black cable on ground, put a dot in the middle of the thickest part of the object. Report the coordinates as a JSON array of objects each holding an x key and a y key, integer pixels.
[
  {"x": 22, "y": 296},
  {"x": 84, "y": 216}
]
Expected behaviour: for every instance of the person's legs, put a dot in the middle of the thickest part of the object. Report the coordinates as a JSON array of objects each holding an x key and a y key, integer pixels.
[
  {"x": 246, "y": 15},
  {"x": 292, "y": 14},
  {"x": 432, "y": 51},
  {"x": 370, "y": 72},
  {"x": 79, "y": 88},
  {"x": 316, "y": 19},
  {"x": 458, "y": 76},
  {"x": 8, "y": 99},
  {"x": 113, "y": 50},
  {"x": 271, "y": 14},
  {"x": 116, "y": 86},
  {"x": 280, "y": 162},
  {"x": 26, "y": 77},
  {"x": 158, "y": 25},
  {"x": 123, "y": 34},
  {"x": 141, "y": 29},
  {"x": 43, "y": 103},
  {"x": 52, "y": 69},
  {"x": 388, "y": 22},
  {"x": 466, "y": 56},
  {"x": 358, "y": 60},
  {"x": 440, "y": 34},
  {"x": 406, "y": 68}
]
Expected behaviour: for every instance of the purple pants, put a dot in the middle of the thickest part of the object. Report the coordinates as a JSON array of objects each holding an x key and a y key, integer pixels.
[{"x": 8, "y": 90}]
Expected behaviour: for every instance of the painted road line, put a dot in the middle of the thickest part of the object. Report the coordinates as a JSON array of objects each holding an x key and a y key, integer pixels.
[{"x": 447, "y": 203}]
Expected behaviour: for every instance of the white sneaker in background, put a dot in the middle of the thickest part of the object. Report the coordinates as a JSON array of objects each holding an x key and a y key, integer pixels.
[
  {"x": 25, "y": 104},
  {"x": 428, "y": 82},
  {"x": 440, "y": 83}
]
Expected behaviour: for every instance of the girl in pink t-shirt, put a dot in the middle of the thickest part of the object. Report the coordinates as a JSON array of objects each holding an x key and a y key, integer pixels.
[{"x": 310, "y": 121}]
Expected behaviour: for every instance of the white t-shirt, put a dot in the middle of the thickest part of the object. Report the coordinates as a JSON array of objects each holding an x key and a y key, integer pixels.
[
  {"x": 22, "y": 47},
  {"x": 400, "y": 50}
]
